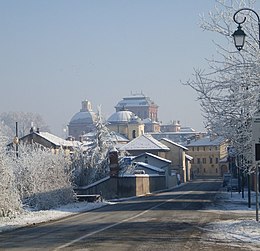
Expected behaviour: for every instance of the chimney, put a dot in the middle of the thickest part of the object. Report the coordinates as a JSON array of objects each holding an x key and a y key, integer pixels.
[
  {"x": 114, "y": 165},
  {"x": 38, "y": 130}
]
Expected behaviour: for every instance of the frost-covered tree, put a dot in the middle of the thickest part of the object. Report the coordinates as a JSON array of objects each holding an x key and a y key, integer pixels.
[
  {"x": 229, "y": 90},
  {"x": 43, "y": 178},
  {"x": 10, "y": 203},
  {"x": 91, "y": 161},
  {"x": 25, "y": 121}
]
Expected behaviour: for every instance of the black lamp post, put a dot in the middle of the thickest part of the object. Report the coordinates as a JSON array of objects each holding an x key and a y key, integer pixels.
[
  {"x": 239, "y": 35},
  {"x": 239, "y": 39}
]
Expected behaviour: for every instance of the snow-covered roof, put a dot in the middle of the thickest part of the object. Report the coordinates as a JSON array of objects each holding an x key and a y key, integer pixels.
[
  {"x": 135, "y": 100},
  {"x": 148, "y": 166},
  {"x": 207, "y": 141},
  {"x": 145, "y": 142},
  {"x": 57, "y": 140},
  {"x": 83, "y": 117},
  {"x": 188, "y": 157},
  {"x": 149, "y": 121},
  {"x": 153, "y": 156},
  {"x": 115, "y": 136},
  {"x": 121, "y": 116},
  {"x": 187, "y": 129},
  {"x": 175, "y": 144}
]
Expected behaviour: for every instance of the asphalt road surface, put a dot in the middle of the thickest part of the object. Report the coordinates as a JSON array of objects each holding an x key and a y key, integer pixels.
[{"x": 172, "y": 220}]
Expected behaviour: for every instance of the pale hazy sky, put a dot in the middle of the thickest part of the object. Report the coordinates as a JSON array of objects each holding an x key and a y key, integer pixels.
[{"x": 56, "y": 53}]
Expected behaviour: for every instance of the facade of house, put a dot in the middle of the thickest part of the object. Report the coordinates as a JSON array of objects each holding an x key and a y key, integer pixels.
[
  {"x": 209, "y": 156},
  {"x": 152, "y": 159},
  {"x": 147, "y": 163},
  {"x": 180, "y": 161},
  {"x": 48, "y": 140}
]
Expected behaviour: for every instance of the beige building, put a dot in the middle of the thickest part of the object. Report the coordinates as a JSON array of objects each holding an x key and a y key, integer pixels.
[
  {"x": 180, "y": 161},
  {"x": 125, "y": 123},
  {"x": 173, "y": 126},
  {"x": 209, "y": 156}
]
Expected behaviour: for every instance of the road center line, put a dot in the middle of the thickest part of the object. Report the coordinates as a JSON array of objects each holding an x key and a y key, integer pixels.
[{"x": 116, "y": 224}]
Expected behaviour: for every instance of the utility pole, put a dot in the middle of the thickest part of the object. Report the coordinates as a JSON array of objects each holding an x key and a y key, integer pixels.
[
  {"x": 256, "y": 154},
  {"x": 16, "y": 139}
]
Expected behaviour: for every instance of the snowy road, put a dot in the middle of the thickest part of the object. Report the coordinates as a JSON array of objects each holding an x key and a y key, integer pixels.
[{"x": 174, "y": 220}]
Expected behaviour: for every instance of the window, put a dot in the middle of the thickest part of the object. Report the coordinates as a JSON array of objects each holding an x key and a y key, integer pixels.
[
  {"x": 204, "y": 170},
  {"x": 192, "y": 161},
  {"x": 133, "y": 134},
  {"x": 204, "y": 160},
  {"x": 216, "y": 170},
  {"x": 198, "y": 160},
  {"x": 216, "y": 160},
  {"x": 204, "y": 148},
  {"x": 210, "y": 160},
  {"x": 198, "y": 149}
]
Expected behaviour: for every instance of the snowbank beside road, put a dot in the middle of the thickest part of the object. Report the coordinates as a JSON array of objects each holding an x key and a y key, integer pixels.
[
  {"x": 35, "y": 217},
  {"x": 243, "y": 230}
]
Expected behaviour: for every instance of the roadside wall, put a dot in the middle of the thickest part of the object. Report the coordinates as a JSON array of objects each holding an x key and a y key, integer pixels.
[{"x": 128, "y": 186}]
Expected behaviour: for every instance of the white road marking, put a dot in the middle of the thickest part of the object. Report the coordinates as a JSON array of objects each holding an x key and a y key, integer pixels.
[{"x": 116, "y": 224}]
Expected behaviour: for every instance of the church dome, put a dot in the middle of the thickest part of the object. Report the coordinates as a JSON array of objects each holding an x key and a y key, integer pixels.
[
  {"x": 121, "y": 117},
  {"x": 85, "y": 116}
]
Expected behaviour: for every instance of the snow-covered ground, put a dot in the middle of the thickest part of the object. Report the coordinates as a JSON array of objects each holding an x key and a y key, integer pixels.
[
  {"x": 243, "y": 228},
  {"x": 34, "y": 217}
]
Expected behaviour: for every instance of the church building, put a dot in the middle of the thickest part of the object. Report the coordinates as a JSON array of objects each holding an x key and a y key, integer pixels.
[
  {"x": 83, "y": 121},
  {"x": 140, "y": 105}
]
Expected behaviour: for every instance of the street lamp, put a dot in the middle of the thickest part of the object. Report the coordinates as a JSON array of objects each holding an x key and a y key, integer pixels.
[
  {"x": 239, "y": 40},
  {"x": 239, "y": 35}
]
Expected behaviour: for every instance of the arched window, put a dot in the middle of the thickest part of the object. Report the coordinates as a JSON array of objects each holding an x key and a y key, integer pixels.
[{"x": 133, "y": 134}]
